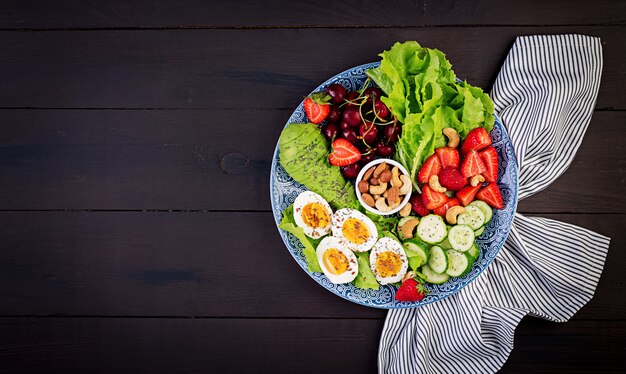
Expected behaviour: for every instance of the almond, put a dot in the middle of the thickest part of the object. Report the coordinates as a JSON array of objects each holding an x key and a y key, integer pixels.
[
  {"x": 393, "y": 195},
  {"x": 379, "y": 169},
  {"x": 368, "y": 199},
  {"x": 368, "y": 173}
]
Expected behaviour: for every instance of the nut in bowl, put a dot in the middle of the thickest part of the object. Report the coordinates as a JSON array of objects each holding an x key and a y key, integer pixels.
[{"x": 383, "y": 187}]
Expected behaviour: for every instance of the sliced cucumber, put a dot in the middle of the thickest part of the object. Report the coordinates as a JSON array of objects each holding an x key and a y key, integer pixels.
[
  {"x": 446, "y": 243},
  {"x": 474, "y": 252},
  {"x": 417, "y": 253},
  {"x": 401, "y": 223},
  {"x": 432, "y": 277},
  {"x": 432, "y": 229},
  {"x": 473, "y": 217},
  {"x": 438, "y": 260},
  {"x": 479, "y": 232},
  {"x": 461, "y": 237},
  {"x": 487, "y": 210},
  {"x": 459, "y": 263}
]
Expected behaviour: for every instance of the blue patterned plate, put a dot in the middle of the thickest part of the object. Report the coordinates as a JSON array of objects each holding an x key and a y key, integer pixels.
[{"x": 284, "y": 190}]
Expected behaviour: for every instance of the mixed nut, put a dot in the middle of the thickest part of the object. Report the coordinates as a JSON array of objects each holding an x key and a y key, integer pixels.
[{"x": 384, "y": 188}]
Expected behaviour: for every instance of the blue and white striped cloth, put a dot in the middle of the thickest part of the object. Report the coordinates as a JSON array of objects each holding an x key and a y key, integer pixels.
[{"x": 545, "y": 94}]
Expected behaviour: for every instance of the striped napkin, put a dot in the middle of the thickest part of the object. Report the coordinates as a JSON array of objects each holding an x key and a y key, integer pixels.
[{"x": 545, "y": 94}]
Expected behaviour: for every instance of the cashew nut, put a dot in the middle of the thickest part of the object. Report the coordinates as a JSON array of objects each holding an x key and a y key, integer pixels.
[
  {"x": 382, "y": 206},
  {"x": 408, "y": 275},
  {"x": 433, "y": 182},
  {"x": 406, "y": 210},
  {"x": 406, "y": 184},
  {"x": 453, "y": 212},
  {"x": 476, "y": 180},
  {"x": 453, "y": 137},
  {"x": 409, "y": 226},
  {"x": 395, "y": 180},
  {"x": 378, "y": 190},
  {"x": 379, "y": 169}
]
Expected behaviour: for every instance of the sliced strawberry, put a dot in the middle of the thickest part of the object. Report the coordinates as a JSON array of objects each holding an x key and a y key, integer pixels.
[
  {"x": 490, "y": 158},
  {"x": 477, "y": 140},
  {"x": 441, "y": 211},
  {"x": 410, "y": 290},
  {"x": 448, "y": 157},
  {"x": 316, "y": 107},
  {"x": 451, "y": 178},
  {"x": 491, "y": 195},
  {"x": 431, "y": 167},
  {"x": 433, "y": 199},
  {"x": 418, "y": 206},
  {"x": 344, "y": 153},
  {"x": 466, "y": 194},
  {"x": 472, "y": 165}
]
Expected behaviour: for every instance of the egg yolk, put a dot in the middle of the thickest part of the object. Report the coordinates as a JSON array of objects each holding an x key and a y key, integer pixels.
[
  {"x": 315, "y": 215},
  {"x": 355, "y": 231},
  {"x": 335, "y": 261},
  {"x": 388, "y": 264}
]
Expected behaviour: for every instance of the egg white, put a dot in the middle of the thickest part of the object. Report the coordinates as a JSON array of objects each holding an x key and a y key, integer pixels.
[
  {"x": 308, "y": 197},
  {"x": 353, "y": 267},
  {"x": 341, "y": 216},
  {"x": 388, "y": 245}
]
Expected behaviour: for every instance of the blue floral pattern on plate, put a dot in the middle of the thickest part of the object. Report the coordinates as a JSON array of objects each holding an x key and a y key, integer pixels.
[{"x": 284, "y": 190}]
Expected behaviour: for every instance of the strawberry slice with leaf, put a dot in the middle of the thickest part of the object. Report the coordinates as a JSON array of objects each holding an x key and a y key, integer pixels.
[
  {"x": 491, "y": 195},
  {"x": 472, "y": 165},
  {"x": 448, "y": 156},
  {"x": 490, "y": 158},
  {"x": 316, "y": 107},
  {"x": 410, "y": 290},
  {"x": 431, "y": 167},
  {"x": 433, "y": 199},
  {"x": 467, "y": 194},
  {"x": 344, "y": 153},
  {"x": 477, "y": 140}
]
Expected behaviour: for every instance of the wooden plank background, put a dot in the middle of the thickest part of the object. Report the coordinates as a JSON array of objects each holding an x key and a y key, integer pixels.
[{"x": 135, "y": 145}]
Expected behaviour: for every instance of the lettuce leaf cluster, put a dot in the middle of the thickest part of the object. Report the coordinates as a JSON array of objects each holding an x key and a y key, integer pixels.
[{"x": 423, "y": 93}]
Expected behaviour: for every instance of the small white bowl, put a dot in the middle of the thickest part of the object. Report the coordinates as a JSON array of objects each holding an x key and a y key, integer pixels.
[{"x": 359, "y": 177}]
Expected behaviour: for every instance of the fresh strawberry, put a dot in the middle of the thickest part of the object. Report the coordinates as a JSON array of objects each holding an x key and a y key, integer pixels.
[
  {"x": 441, "y": 211},
  {"x": 344, "y": 153},
  {"x": 418, "y": 205},
  {"x": 448, "y": 157},
  {"x": 433, "y": 199},
  {"x": 472, "y": 165},
  {"x": 451, "y": 178},
  {"x": 491, "y": 195},
  {"x": 490, "y": 158},
  {"x": 316, "y": 107},
  {"x": 477, "y": 140},
  {"x": 410, "y": 290},
  {"x": 466, "y": 194},
  {"x": 431, "y": 167}
]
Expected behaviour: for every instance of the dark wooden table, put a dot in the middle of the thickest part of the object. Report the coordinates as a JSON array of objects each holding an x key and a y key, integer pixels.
[{"x": 136, "y": 138}]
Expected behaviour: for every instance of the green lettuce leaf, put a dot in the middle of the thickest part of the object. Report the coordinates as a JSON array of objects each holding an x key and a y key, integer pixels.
[{"x": 288, "y": 224}]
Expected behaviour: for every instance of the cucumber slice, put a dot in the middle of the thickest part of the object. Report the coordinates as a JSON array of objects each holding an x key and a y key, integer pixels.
[
  {"x": 473, "y": 217},
  {"x": 458, "y": 263},
  {"x": 461, "y": 237},
  {"x": 474, "y": 252},
  {"x": 432, "y": 229},
  {"x": 438, "y": 260},
  {"x": 479, "y": 232},
  {"x": 446, "y": 243},
  {"x": 432, "y": 277},
  {"x": 401, "y": 223},
  {"x": 417, "y": 253},
  {"x": 485, "y": 208}
]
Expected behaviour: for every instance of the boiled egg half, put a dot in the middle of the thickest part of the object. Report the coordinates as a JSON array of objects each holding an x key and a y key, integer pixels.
[
  {"x": 388, "y": 261},
  {"x": 355, "y": 230},
  {"x": 338, "y": 263},
  {"x": 313, "y": 214}
]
